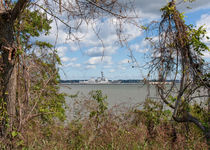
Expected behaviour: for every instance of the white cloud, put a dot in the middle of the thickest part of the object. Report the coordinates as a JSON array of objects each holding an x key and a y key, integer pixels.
[
  {"x": 90, "y": 67},
  {"x": 100, "y": 60},
  {"x": 151, "y": 8},
  {"x": 57, "y": 34},
  {"x": 121, "y": 67},
  {"x": 101, "y": 51},
  {"x": 206, "y": 54},
  {"x": 73, "y": 59},
  {"x": 204, "y": 20},
  {"x": 106, "y": 29},
  {"x": 124, "y": 61},
  {"x": 196, "y": 5},
  {"x": 62, "y": 51},
  {"x": 74, "y": 47},
  {"x": 68, "y": 59},
  {"x": 72, "y": 65},
  {"x": 112, "y": 70},
  {"x": 107, "y": 66},
  {"x": 139, "y": 48},
  {"x": 98, "y": 33},
  {"x": 90, "y": 40},
  {"x": 77, "y": 65},
  {"x": 143, "y": 46},
  {"x": 65, "y": 59}
]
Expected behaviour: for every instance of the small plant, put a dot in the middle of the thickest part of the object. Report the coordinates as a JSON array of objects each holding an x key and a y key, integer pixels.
[{"x": 102, "y": 105}]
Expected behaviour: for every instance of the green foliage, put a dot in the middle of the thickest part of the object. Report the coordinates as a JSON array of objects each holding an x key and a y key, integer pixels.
[
  {"x": 3, "y": 111},
  {"x": 45, "y": 96},
  {"x": 99, "y": 113},
  {"x": 115, "y": 133},
  {"x": 154, "y": 112},
  {"x": 50, "y": 103},
  {"x": 189, "y": 1},
  {"x": 200, "y": 111},
  {"x": 39, "y": 100},
  {"x": 102, "y": 105},
  {"x": 14, "y": 133},
  {"x": 182, "y": 16},
  {"x": 168, "y": 9},
  {"x": 181, "y": 47},
  {"x": 77, "y": 139},
  {"x": 196, "y": 37},
  {"x": 171, "y": 99},
  {"x": 45, "y": 102},
  {"x": 42, "y": 44},
  {"x": 33, "y": 23}
]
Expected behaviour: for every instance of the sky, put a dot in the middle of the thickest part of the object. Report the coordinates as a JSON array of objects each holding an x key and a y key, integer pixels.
[{"x": 102, "y": 51}]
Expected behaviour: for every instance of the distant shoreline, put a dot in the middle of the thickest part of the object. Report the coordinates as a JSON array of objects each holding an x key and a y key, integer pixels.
[
  {"x": 116, "y": 82},
  {"x": 141, "y": 83},
  {"x": 101, "y": 83}
]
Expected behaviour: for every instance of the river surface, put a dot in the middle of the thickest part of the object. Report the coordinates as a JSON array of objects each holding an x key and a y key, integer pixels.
[
  {"x": 119, "y": 96},
  {"x": 126, "y": 95},
  {"x": 116, "y": 93}
]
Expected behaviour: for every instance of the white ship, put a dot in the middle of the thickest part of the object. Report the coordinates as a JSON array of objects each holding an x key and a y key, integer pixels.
[{"x": 99, "y": 80}]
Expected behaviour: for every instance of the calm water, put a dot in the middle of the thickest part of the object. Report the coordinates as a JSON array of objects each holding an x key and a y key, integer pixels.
[
  {"x": 117, "y": 94},
  {"x": 126, "y": 95},
  {"x": 123, "y": 95}
]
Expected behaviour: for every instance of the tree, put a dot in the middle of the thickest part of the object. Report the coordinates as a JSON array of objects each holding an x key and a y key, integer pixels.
[
  {"x": 13, "y": 39},
  {"x": 177, "y": 55},
  {"x": 37, "y": 93},
  {"x": 8, "y": 51}
]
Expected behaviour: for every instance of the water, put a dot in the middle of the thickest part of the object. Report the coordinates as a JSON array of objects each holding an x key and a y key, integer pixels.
[
  {"x": 119, "y": 96},
  {"x": 126, "y": 95},
  {"x": 116, "y": 93}
]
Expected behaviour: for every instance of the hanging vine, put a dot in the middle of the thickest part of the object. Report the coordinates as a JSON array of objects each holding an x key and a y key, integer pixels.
[{"x": 178, "y": 56}]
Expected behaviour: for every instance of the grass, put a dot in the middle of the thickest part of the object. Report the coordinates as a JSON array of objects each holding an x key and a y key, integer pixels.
[{"x": 147, "y": 129}]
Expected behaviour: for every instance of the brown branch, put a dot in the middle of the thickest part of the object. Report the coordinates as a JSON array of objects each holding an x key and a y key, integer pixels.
[
  {"x": 106, "y": 10},
  {"x": 200, "y": 96},
  {"x": 53, "y": 15},
  {"x": 181, "y": 92},
  {"x": 164, "y": 99},
  {"x": 37, "y": 115},
  {"x": 60, "y": 6},
  {"x": 38, "y": 96},
  {"x": 32, "y": 117},
  {"x": 19, "y": 7},
  {"x": 187, "y": 117}
]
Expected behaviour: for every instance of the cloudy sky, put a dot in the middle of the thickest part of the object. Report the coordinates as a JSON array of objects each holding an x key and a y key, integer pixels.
[{"x": 99, "y": 49}]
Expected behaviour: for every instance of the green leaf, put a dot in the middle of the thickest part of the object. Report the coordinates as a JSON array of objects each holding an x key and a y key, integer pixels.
[{"x": 14, "y": 133}]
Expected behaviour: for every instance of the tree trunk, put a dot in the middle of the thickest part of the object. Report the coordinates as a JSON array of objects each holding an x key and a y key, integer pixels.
[
  {"x": 9, "y": 71},
  {"x": 11, "y": 88},
  {"x": 208, "y": 132},
  {"x": 8, "y": 66}
]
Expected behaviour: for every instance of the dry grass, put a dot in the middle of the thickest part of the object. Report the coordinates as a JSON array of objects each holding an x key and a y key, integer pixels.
[{"x": 131, "y": 130}]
